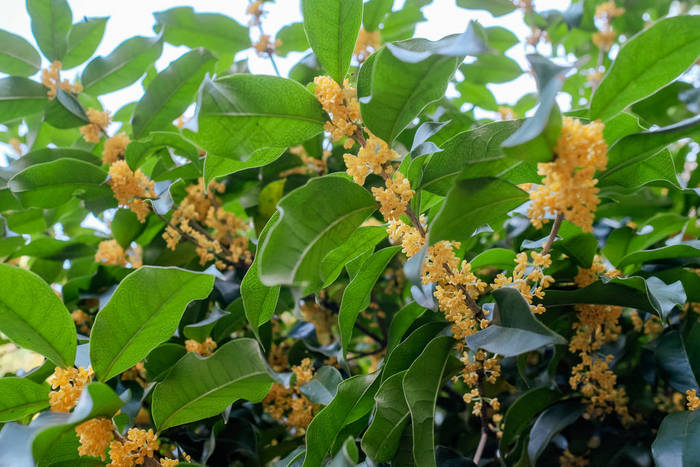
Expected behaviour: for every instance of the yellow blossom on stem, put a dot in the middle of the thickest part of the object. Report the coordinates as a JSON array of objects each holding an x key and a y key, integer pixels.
[
  {"x": 372, "y": 158},
  {"x": 394, "y": 198},
  {"x": 51, "y": 78},
  {"x": 289, "y": 405},
  {"x": 134, "y": 449},
  {"x": 114, "y": 148},
  {"x": 130, "y": 188},
  {"x": 95, "y": 436},
  {"x": 111, "y": 253},
  {"x": 82, "y": 320},
  {"x": 693, "y": 400},
  {"x": 99, "y": 121},
  {"x": 67, "y": 385},
  {"x": 204, "y": 349},
  {"x": 568, "y": 185},
  {"x": 341, "y": 104}
]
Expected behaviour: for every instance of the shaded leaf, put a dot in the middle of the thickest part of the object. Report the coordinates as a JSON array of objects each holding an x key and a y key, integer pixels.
[
  {"x": 322, "y": 388},
  {"x": 17, "y": 56},
  {"x": 390, "y": 416},
  {"x": 676, "y": 441},
  {"x": 548, "y": 424}
]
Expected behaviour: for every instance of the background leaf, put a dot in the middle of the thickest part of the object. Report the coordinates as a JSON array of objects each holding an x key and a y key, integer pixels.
[
  {"x": 17, "y": 56},
  {"x": 51, "y": 23},
  {"x": 20, "y": 397}
]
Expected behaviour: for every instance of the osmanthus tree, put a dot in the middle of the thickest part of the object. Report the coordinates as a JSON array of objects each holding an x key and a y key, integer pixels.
[{"x": 349, "y": 266}]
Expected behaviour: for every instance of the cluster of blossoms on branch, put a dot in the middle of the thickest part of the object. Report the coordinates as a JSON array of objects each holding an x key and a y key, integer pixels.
[
  {"x": 51, "y": 78},
  {"x": 288, "y": 405}
]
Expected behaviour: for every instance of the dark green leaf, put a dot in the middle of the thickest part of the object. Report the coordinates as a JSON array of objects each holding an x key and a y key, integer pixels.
[
  {"x": 391, "y": 414},
  {"x": 171, "y": 92},
  {"x": 357, "y": 294},
  {"x": 314, "y": 219},
  {"x": 690, "y": 250},
  {"x": 33, "y": 317},
  {"x": 405, "y": 353},
  {"x": 51, "y": 23},
  {"x": 216, "y": 166},
  {"x": 514, "y": 330},
  {"x": 322, "y": 388},
  {"x": 472, "y": 203},
  {"x": 240, "y": 114},
  {"x": 364, "y": 239},
  {"x": 672, "y": 356},
  {"x": 520, "y": 412},
  {"x": 124, "y": 66},
  {"x": 20, "y": 397},
  {"x": 138, "y": 317},
  {"x": 332, "y": 27},
  {"x": 51, "y": 154},
  {"x": 83, "y": 40},
  {"x": 17, "y": 56},
  {"x": 548, "y": 424},
  {"x": 198, "y": 388},
  {"x": 499, "y": 258},
  {"x": 647, "y": 62},
  {"x": 162, "y": 359},
  {"x": 215, "y": 32},
  {"x": 676, "y": 442},
  {"x": 20, "y": 97},
  {"x": 125, "y": 227},
  {"x": 500, "y": 39}
]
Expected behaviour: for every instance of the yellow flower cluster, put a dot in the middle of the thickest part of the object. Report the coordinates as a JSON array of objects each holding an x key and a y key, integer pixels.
[
  {"x": 99, "y": 121},
  {"x": 693, "y": 401},
  {"x": 109, "y": 252},
  {"x": 134, "y": 449},
  {"x": 567, "y": 459},
  {"x": 321, "y": 318},
  {"x": 130, "y": 188},
  {"x": 255, "y": 10},
  {"x": 199, "y": 209},
  {"x": 82, "y": 320},
  {"x": 310, "y": 165},
  {"x": 342, "y": 105},
  {"x": 136, "y": 373},
  {"x": 95, "y": 436},
  {"x": 673, "y": 403},
  {"x": 51, "y": 78},
  {"x": 289, "y": 405},
  {"x": 367, "y": 43},
  {"x": 67, "y": 385},
  {"x": 204, "y": 349},
  {"x": 604, "y": 14},
  {"x": 395, "y": 197},
  {"x": 530, "y": 284},
  {"x": 568, "y": 185},
  {"x": 372, "y": 158},
  {"x": 265, "y": 46},
  {"x": 596, "y": 326},
  {"x": 473, "y": 364},
  {"x": 114, "y": 148},
  {"x": 278, "y": 356}
]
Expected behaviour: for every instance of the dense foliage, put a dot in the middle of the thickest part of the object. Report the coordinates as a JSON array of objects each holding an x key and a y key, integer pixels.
[{"x": 352, "y": 265}]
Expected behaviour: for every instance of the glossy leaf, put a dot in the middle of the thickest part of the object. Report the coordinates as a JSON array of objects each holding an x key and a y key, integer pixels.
[
  {"x": 198, "y": 388},
  {"x": 521, "y": 412},
  {"x": 548, "y": 424},
  {"x": 138, "y": 317},
  {"x": 216, "y": 166},
  {"x": 390, "y": 416},
  {"x": 83, "y": 40},
  {"x": 672, "y": 357},
  {"x": 50, "y": 184},
  {"x": 647, "y": 62},
  {"x": 690, "y": 250},
  {"x": 20, "y": 397},
  {"x": 17, "y": 56},
  {"x": 357, "y": 294},
  {"x": 240, "y": 114},
  {"x": 332, "y": 27},
  {"x": 33, "y": 317},
  {"x": 217, "y": 33},
  {"x": 421, "y": 385},
  {"x": 51, "y": 23},
  {"x": 322, "y": 388},
  {"x": 514, "y": 330},
  {"x": 676, "y": 441},
  {"x": 21, "y": 97},
  {"x": 365, "y": 238},
  {"x": 472, "y": 203},
  {"x": 171, "y": 92},
  {"x": 124, "y": 66},
  {"x": 314, "y": 219}
]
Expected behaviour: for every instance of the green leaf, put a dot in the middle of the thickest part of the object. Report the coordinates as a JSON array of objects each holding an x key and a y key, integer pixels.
[
  {"x": 137, "y": 152},
  {"x": 662, "y": 297},
  {"x": 198, "y": 388},
  {"x": 676, "y": 442},
  {"x": 388, "y": 104},
  {"x": 539, "y": 134},
  {"x": 671, "y": 354},
  {"x": 476, "y": 152},
  {"x": 240, "y": 114},
  {"x": 647, "y": 62},
  {"x": 259, "y": 300},
  {"x": 50, "y": 184},
  {"x": 20, "y": 397},
  {"x": 52, "y": 154},
  {"x": 499, "y": 258},
  {"x": 17, "y": 56},
  {"x": 353, "y": 401},
  {"x": 421, "y": 385},
  {"x": 171, "y": 92},
  {"x": 500, "y": 38},
  {"x": 401, "y": 322},
  {"x": 407, "y": 351},
  {"x": 495, "y": 7},
  {"x": 520, "y": 412},
  {"x": 217, "y": 33},
  {"x": 357, "y": 294},
  {"x": 139, "y": 316},
  {"x": 364, "y": 239},
  {"x": 200, "y": 330},
  {"x": 491, "y": 69},
  {"x": 582, "y": 248},
  {"x": 292, "y": 38},
  {"x": 65, "y": 112},
  {"x": 382, "y": 437},
  {"x": 124, "y": 66},
  {"x": 83, "y": 40},
  {"x": 332, "y": 27},
  {"x": 51, "y": 23},
  {"x": 162, "y": 359},
  {"x": 314, "y": 219},
  {"x": 548, "y": 424},
  {"x": 322, "y": 388},
  {"x": 374, "y": 13},
  {"x": 216, "y": 166},
  {"x": 690, "y": 250},
  {"x": 33, "y": 317},
  {"x": 347, "y": 456},
  {"x": 21, "y": 97},
  {"x": 514, "y": 329},
  {"x": 125, "y": 227},
  {"x": 472, "y": 203}
]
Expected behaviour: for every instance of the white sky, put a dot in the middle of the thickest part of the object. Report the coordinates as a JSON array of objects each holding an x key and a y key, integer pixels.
[{"x": 134, "y": 17}]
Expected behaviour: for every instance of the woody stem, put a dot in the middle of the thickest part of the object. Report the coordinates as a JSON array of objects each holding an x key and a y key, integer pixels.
[{"x": 553, "y": 234}]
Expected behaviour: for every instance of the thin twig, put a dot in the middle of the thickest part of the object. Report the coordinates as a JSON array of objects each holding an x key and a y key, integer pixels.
[
  {"x": 371, "y": 334},
  {"x": 553, "y": 234}
]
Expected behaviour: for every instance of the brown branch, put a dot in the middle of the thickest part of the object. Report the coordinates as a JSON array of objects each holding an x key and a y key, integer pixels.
[
  {"x": 553, "y": 234},
  {"x": 371, "y": 334}
]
